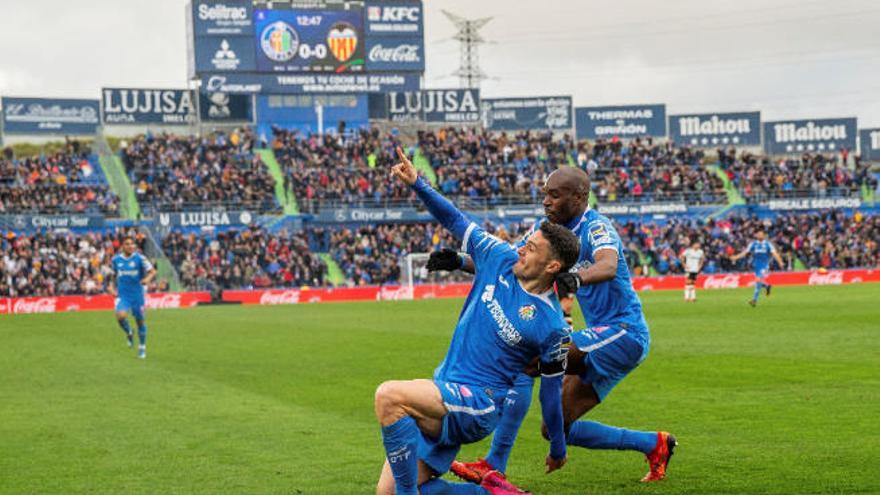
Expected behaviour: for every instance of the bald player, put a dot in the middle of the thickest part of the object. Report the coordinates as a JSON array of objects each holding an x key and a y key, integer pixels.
[{"x": 614, "y": 343}]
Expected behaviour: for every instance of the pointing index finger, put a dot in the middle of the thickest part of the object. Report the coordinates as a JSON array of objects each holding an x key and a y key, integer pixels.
[{"x": 401, "y": 154}]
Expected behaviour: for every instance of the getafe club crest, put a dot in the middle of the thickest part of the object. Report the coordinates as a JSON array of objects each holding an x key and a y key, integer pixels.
[
  {"x": 527, "y": 312},
  {"x": 279, "y": 41},
  {"x": 342, "y": 40}
]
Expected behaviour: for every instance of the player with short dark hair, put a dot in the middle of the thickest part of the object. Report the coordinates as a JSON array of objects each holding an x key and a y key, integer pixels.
[
  {"x": 614, "y": 343},
  {"x": 511, "y": 316},
  {"x": 132, "y": 271},
  {"x": 761, "y": 249}
]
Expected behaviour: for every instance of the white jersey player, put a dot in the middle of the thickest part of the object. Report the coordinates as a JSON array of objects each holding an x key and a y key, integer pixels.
[{"x": 693, "y": 259}]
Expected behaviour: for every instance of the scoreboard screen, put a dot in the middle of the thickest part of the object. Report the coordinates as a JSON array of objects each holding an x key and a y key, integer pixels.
[{"x": 309, "y": 40}]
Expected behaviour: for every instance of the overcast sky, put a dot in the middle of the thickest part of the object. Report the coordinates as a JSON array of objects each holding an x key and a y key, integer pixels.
[{"x": 787, "y": 58}]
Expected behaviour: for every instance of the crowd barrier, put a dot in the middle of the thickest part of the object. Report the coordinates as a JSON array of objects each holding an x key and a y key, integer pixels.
[{"x": 396, "y": 293}]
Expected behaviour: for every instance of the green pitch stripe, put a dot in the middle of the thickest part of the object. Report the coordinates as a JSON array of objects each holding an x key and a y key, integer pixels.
[
  {"x": 420, "y": 161},
  {"x": 733, "y": 196}
]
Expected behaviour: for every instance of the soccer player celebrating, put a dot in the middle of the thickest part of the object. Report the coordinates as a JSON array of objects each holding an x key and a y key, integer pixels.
[
  {"x": 510, "y": 317},
  {"x": 761, "y": 249},
  {"x": 132, "y": 272},
  {"x": 615, "y": 341},
  {"x": 693, "y": 259}
]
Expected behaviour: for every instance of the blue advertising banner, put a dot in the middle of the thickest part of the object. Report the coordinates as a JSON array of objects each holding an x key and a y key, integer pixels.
[
  {"x": 515, "y": 114},
  {"x": 222, "y": 17},
  {"x": 28, "y": 222},
  {"x": 626, "y": 121},
  {"x": 869, "y": 140},
  {"x": 50, "y": 116},
  {"x": 305, "y": 40},
  {"x": 798, "y": 136},
  {"x": 395, "y": 54},
  {"x": 224, "y": 107},
  {"x": 352, "y": 215},
  {"x": 714, "y": 129},
  {"x": 310, "y": 83},
  {"x": 225, "y": 54},
  {"x": 435, "y": 105},
  {"x": 394, "y": 18},
  {"x": 148, "y": 106},
  {"x": 300, "y": 112},
  {"x": 206, "y": 218}
]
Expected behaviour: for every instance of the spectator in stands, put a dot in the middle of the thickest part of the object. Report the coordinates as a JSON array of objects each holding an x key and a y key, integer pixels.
[
  {"x": 59, "y": 263},
  {"x": 175, "y": 173}
]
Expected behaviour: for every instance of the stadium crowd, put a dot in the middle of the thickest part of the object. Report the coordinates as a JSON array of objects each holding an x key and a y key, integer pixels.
[
  {"x": 174, "y": 173},
  {"x": 60, "y": 182},
  {"x": 760, "y": 177},
  {"x": 58, "y": 263},
  {"x": 244, "y": 258},
  {"x": 341, "y": 169},
  {"x": 642, "y": 170},
  {"x": 830, "y": 240}
]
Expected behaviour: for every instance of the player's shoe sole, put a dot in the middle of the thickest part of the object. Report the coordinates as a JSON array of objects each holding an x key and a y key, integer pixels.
[
  {"x": 471, "y": 471},
  {"x": 753, "y": 303},
  {"x": 659, "y": 458},
  {"x": 767, "y": 290}
]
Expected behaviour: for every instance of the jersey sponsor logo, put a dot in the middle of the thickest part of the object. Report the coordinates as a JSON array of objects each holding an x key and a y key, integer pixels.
[
  {"x": 828, "y": 278},
  {"x": 527, "y": 312},
  {"x": 465, "y": 392},
  {"x": 503, "y": 281},
  {"x": 506, "y": 330}
]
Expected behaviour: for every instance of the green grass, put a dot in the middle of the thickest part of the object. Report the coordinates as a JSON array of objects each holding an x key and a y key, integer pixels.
[{"x": 784, "y": 398}]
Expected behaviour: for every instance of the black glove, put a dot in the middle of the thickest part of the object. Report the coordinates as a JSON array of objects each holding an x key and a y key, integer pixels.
[
  {"x": 445, "y": 260},
  {"x": 567, "y": 284}
]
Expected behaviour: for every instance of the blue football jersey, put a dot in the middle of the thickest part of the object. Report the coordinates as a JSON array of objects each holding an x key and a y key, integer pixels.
[
  {"x": 761, "y": 251},
  {"x": 129, "y": 273},
  {"x": 501, "y": 327},
  {"x": 613, "y": 302}
]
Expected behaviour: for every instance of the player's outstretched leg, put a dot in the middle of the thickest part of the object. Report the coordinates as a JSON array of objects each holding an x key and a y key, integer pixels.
[
  {"x": 142, "y": 332},
  {"x": 758, "y": 286},
  {"x": 124, "y": 325}
]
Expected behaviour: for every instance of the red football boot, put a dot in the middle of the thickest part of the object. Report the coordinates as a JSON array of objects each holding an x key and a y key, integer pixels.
[
  {"x": 472, "y": 471},
  {"x": 658, "y": 459},
  {"x": 497, "y": 484}
]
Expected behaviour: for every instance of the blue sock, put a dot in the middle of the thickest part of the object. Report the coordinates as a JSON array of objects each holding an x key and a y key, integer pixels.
[
  {"x": 438, "y": 486},
  {"x": 142, "y": 332},
  {"x": 758, "y": 287},
  {"x": 401, "y": 440},
  {"x": 593, "y": 435},
  {"x": 516, "y": 406},
  {"x": 125, "y": 326}
]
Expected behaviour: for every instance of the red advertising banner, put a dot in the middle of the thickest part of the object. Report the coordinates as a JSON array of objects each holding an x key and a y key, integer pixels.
[
  {"x": 395, "y": 292},
  {"x": 103, "y": 302}
]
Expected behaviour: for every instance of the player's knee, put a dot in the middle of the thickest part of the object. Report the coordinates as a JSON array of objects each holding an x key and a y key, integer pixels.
[{"x": 388, "y": 397}]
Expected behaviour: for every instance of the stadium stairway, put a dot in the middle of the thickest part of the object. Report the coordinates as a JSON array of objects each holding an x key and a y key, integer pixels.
[
  {"x": 867, "y": 195},
  {"x": 733, "y": 196},
  {"x": 164, "y": 269},
  {"x": 334, "y": 273},
  {"x": 117, "y": 178},
  {"x": 289, "y": 204},
  {"x": 420, "y": 161}
]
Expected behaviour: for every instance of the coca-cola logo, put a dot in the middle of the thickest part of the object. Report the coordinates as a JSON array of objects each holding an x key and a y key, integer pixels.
[
  {"x": 730, "y": 281},
  {"x": 283, "y": 297},
  {"x": 395, "y": 294},
  {"x": 40, "y": 305},
  {"x": 828, "y": 278},
  {"x": 163, "y": 301},
  {"x": 399, "y": 53}
]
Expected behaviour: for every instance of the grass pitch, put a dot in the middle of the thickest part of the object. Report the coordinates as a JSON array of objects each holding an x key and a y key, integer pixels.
[{"x": 783, "y": 398}]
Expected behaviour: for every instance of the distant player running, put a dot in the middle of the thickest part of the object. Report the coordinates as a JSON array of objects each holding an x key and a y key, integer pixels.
[
  {"x": 132, "y": 272},
  {"x": 761, "y": 249},
  {"x": 693, "y": 259},
  {"x": 614, "y": 343},
  {"x": 510, "y": 317}
]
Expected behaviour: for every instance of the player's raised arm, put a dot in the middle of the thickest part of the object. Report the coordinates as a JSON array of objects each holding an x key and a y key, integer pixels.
[
  {"x": 776, "y": 256},
  {"x": 440, "y": 208}
]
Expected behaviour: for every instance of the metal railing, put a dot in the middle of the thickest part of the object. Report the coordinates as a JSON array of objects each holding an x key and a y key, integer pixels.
[
  {"x": 268, "y": 206},
  {"x": 828, "y": 193}
]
